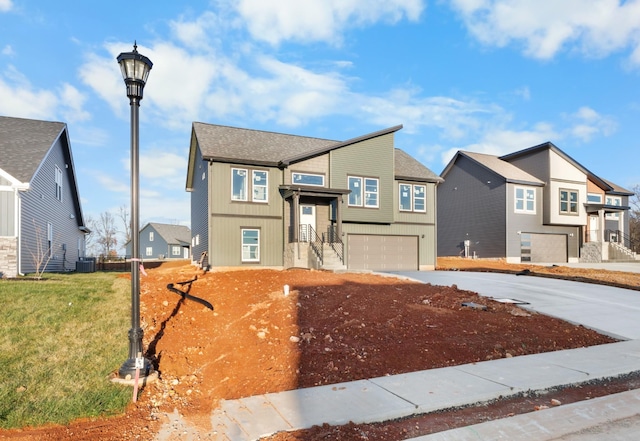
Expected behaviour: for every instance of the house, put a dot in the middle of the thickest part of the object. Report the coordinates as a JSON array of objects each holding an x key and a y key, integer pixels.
[
  {"x": 163, "y": 241},
  {"x": 276, "y": 200},
  {"x": 534, "y": 205},
  {"x": 41, "y": 222}
]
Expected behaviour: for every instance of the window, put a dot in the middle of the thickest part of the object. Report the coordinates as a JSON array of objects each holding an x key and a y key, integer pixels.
[
  {"x": 307, "y": 179},
  {"x": 525, "y": 200},
  {"x": 413, "y": 198},
  {"x": 175, "y": 250},
  {"x": 238, "y": 184},
  {"x": 569, "y": 201},
  {"x": 197, "y": 239},
  {"x": 614, "y": 202},
  {"x": 149, "y": 251},
  {"x": 58, "y": 179},
  {"x": 363, "y": 189},
  {"x": 150, "y": 236},
  {"x": 250, "y": 245},
  {"x": 259, "y": 186},
  {"x": 594, "y": 198}
]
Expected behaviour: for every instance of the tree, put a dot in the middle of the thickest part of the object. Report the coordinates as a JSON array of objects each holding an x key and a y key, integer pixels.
[
  {"x": 123, "y": 214},
  {"x": 106, "y": 234},
  {"x": 44, "y": 249},
  {"x": 634, "y": 219}
]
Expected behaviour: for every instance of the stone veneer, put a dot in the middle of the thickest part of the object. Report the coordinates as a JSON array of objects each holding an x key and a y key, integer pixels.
[{"x": 8, "y": 257}]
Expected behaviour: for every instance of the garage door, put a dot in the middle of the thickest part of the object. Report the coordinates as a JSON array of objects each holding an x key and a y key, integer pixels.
[
  {"x": 548, "y": 248},
  {"x": 383, "y": 253}
]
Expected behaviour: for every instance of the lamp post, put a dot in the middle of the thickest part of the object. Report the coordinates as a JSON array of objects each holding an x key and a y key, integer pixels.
[{"x": 135, "y": 71}]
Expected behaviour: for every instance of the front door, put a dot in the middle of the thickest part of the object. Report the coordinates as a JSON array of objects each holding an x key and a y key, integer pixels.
[
  {"x": 594, "y": 229},
  {"x": 307, "y": 219}
]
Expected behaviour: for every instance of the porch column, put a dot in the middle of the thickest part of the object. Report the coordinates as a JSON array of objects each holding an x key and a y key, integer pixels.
[
  {"x": 604, "y": 249},
  {"x": 296, "y": 215},
  {"x": 339, "y": 217}
]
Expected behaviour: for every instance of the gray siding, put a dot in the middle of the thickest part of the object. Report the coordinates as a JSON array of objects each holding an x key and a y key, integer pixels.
[
  {"x": 40, "y": 207},
  {"x": 318, "y": 165},
  {"x": 200, "y": 208},
  {"x": 471, "y": 206},
  {"x": 372, "y": 158},
  {"x": 7, "y": 214}
]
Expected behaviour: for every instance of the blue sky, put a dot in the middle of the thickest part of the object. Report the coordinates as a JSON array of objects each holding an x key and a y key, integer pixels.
[{"x": 491, "y": 76}]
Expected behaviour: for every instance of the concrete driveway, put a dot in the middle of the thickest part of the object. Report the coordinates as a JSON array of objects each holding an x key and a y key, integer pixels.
[{"x": 611, "y": 311}]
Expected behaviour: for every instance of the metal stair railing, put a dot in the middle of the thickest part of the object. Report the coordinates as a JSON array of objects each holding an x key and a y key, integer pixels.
[{"x": 335, "y": 242}]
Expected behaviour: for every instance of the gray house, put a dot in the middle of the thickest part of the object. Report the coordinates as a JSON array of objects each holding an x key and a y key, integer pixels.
[
  {"x": 163, "y": 241},
  {"x": 276, "y": 200},
  {"x": 534, "y": 205},
  {"x": 41, "y": 222}
]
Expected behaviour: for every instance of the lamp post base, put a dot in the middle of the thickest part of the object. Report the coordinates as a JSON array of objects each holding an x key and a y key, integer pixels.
[{"x": 128, "y": 369}]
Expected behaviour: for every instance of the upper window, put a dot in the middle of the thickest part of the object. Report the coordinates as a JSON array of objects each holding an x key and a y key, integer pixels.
[
  {"x": 150, "y": 236},
  {"x": 569, "y": 201},
  {"x": 58, "y": 179},
  {"x": 364, "y": 192},
  {"x": 250, "y": 245},
  {"x": 307, "y": 179},
  {"x": 240, "y": 185},
  {"x": 614, "y": 202},
  {"x": 525, "y": 200},
  {"x": 594, "y": 198},
  {"x": 413, "y": 198},
  {"x": 259, "y": 186}
]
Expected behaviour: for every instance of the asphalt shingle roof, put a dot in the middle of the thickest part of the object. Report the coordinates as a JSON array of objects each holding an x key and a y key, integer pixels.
[
  {"x": 24, "y": 144},
  {"x": 503, "y": 168},
  {"x": 173, "y": 233},
  {"x": 407, "y": 167}
]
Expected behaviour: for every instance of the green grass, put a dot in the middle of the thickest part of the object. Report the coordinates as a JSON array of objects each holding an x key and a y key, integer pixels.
[{"x": 60, "y": 338}]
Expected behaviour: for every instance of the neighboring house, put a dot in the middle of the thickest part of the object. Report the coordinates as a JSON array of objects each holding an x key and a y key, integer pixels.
[
  {"x": 275, "y": 200},
  {"x": 41, "y": 222},
  {"x": 163, "y": 241},
  {"x": 534, "y": 205}
]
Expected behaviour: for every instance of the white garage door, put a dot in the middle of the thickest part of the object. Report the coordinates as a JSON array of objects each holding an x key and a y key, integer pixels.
[
  {"x": 383, "y": 253},
  {"x": 548, "y": 248}
]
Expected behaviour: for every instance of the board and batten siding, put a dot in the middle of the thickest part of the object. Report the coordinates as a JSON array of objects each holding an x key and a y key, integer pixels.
[
  {"x": 471, "y": 206},
  {"x": 228, "y": 218},
  {"x": 371, "y": 158},
  {"x": 41, "y": 207},
  {"x": 200, "y": 208},
  {"x": 8, "y": 213}
]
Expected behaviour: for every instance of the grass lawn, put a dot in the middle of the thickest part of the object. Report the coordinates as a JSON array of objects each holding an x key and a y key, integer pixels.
[{"x": 60, "y": 338}]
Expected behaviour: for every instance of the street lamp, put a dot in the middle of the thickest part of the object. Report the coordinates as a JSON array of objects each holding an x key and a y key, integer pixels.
[{"x": 135, "y": 70}]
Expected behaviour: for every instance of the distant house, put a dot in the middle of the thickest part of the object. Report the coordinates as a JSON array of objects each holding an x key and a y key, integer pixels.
[
  {"x": 276, "y": 200},
  {"x": 41, "y": 222},
  {"x": 163, "y": 241},
  {"x": 534, "y": 205}
]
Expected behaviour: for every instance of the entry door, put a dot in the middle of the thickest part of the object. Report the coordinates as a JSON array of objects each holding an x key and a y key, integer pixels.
[
  {"x": 307, "y": 219},
  {"x": 594, "y": 233}
]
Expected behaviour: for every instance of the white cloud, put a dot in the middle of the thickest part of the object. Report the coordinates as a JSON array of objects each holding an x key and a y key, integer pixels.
[
  {"x": 8, "y": 50},
  {"x": 587, "y": 123},
  {"x": 275, "y": 21},
  {"x": 103, "y": 76},
  {"x": 20, "y": 99},
  {"x": 5, "y": 5},
  {"x": 545, "y": 27}
]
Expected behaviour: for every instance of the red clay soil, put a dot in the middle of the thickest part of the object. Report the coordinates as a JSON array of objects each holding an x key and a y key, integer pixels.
[{"x": 331, "y": 328}]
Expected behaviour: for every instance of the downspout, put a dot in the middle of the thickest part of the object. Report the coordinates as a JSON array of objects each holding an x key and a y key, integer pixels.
[{"x": 18, "y": 230}]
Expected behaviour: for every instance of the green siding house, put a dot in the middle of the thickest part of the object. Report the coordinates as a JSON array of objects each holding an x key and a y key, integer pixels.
[{"x": 276, "y": 200}]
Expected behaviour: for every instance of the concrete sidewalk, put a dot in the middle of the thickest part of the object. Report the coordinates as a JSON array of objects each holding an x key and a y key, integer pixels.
[{"x": 397, "y": 396}]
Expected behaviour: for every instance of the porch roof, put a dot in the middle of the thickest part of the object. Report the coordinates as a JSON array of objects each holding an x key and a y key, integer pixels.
[{"x": 306, "y": 190}]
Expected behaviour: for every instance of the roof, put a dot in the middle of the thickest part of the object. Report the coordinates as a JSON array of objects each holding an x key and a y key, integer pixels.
[
  {"x": 508, "y": 171},
  {"x": 172, "y": 233},
  {"x": 24, "y": 143},
  {"x": 616, "y": 189},
  {"x": 232, "y": 144},
  {"x": 409, "y": 168}
]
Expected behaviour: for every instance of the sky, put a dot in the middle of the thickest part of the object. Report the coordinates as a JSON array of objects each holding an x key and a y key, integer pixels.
[{"x": 489, "y": 76}]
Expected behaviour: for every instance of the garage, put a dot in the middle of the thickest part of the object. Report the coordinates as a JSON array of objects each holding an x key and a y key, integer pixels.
[
  {"x": 548, "y": 248},
  {"x": 382, "y": 253}
]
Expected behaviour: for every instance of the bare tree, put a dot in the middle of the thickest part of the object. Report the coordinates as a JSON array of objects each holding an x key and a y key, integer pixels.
[
  {"x": 43, "y": 252},
  {"x": 106, "y": 234},
  {"x": 123, "y": 214}
]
